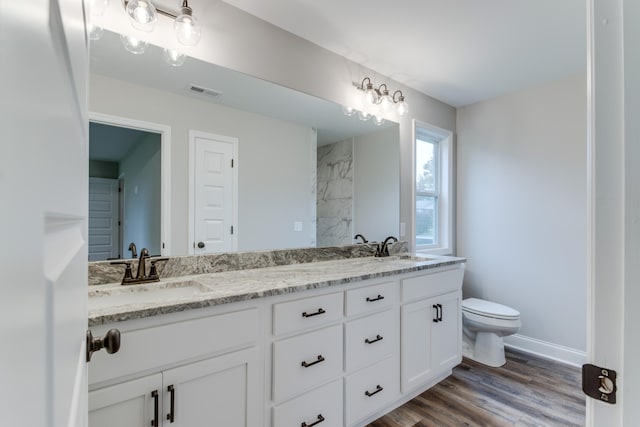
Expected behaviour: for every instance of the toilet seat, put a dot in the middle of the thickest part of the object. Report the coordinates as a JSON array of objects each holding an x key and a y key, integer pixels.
[{"x": 489, "y": 309}]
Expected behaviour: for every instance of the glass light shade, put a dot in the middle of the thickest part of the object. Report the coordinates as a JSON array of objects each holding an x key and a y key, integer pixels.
[
  {"x": 95, "y": 33},
  {"x": 402, "y": 108},
  {"x": 386, "y": 102},
  {"x": 378, "y": 120},
  {"x": 133, "y": 45},
  {"x": 187, "y": 29},
  {"x": 370, "y": 95},
  {"x": 348, "y": 111},
  {"x": 364, "y": 116},
  {"x": 98, "y": 7},
  {"x": 173, "y": 57},
  {"x": 142, "y": 14}
]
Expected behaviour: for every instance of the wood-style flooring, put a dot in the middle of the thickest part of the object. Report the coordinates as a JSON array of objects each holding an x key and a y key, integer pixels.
[{"x": 527, "y": 391}]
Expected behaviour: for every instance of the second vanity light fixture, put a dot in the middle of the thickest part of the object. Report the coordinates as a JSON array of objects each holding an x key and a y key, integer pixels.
[
  {"x": 143, "y": 15},
  {"x": 381, "y": 97}
]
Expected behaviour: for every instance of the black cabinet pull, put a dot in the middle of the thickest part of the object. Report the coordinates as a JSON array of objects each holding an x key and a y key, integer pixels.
[
  {"x": 171, "y": 416},
  {"x": 436, "y": 319},
  {"x": 376, "y": 339},
  {"x": 306, "y": 364},
  {"x": 154, "y": 421},
  {"x": 318, "y": 421},
  {"x": 320, "y": 311},
  {"x": 378, "y": 298},
  {"x": 378, "y": 390},
  {"x": 439, "y": 312}
]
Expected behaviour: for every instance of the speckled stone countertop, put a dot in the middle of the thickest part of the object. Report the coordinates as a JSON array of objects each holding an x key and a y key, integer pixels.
[{"x": 109, "y": 303}]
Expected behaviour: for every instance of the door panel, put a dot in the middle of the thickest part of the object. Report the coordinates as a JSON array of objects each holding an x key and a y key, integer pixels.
[{"x": 104, "y": 213}]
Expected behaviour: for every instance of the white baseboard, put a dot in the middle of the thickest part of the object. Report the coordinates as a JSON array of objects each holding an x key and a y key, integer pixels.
[{"x": 547, "y": 350}]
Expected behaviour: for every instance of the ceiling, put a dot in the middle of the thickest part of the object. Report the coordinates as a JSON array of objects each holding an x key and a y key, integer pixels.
[
  {"x": 457, "y": 51},
  {"x": 111, "y": 143}
]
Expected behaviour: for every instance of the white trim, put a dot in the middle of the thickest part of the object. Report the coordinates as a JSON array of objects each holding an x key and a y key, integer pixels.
[
  {"x": 546, "y": 349},
  {"x": 447, "y": 196},
  {"x": 165, "y": 167},
  {"x": 193, "y": 134}
]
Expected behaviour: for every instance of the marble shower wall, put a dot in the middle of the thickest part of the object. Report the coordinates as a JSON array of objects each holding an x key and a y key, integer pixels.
[{"x": 335, "y": 194}]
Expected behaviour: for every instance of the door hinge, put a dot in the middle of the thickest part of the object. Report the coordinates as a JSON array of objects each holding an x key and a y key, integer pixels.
[
  {"x": 599, "y": 383},
  {"x": 118, "y": 223},
  {"x": 231, "y": 162},
  {"x": 232, "y": 229},
  {"x": 162, "y": 245},
  {"x": 119, "y": 190}
]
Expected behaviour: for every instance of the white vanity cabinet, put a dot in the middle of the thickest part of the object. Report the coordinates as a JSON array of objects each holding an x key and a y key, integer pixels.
[
  {"x": 221, "y": 388},
  {"x": 431, "y": 326}
]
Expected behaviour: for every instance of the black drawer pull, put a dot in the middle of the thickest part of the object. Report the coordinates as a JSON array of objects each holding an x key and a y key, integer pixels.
[
  {"x": 436, "y": 318},
  {"x": 320, "y": 419},
  {"x": 320, "y": 311},
  {"x": 378, "y": 298},
  {"x": 377, "y": 338},
  {"x": 306, "y": 364},
  {"x": 155, "y": 420},
  {"x": 440, "y": 312},
  {"x": 378, "y": 390},
  {"x": 171, "y": 416}
]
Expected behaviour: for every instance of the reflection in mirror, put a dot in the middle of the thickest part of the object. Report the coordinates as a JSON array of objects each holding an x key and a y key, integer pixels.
[
  {"x": 124, "y": 191},
  {"x": 307, "y": 175}
]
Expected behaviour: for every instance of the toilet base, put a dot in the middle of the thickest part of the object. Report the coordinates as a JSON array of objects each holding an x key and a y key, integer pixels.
[{"x": 488, "y": 349}]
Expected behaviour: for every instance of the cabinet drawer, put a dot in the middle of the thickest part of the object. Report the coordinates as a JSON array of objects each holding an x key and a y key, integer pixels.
[
  {"x": 305, "y": 313},
  {"x": 369, "y": 298},
  {"x": 433, "y": 284},
  {"x": 302, "y": 362},
  {"x": 370, "y": 339},
  {"x": 323, "y": 404},
  {"x": 163, "y": 345},
  {"x": 370, "y": 389}
]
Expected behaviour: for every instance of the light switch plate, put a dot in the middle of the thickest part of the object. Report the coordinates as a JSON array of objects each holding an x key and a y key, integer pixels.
[{"x": 297, "y": 226}]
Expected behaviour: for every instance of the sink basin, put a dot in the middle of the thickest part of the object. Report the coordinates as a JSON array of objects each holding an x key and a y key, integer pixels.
[
  {"x": 149, "y": 293},
  {"x": 411, "y": 258}
]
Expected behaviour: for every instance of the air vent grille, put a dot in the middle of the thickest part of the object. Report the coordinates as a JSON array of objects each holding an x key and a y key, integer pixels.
[{"x": 204, "y": 91}]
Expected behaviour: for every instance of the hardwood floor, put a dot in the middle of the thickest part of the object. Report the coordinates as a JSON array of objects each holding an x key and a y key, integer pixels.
[{"x": 527, "y": 391}]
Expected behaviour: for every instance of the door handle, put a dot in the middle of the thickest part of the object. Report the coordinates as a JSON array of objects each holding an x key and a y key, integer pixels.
[
  {"x": 172, "y": 409},
  {"x": 200, "y": 245},
  {"x": 155, "y": 420},
  {"x": 110, "y": 342}
]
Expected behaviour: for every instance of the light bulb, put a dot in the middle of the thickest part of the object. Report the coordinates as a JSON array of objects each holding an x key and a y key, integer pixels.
[
  {"x": 364, "y": 116},
  {"x": 98, "y": 7},
  {"x": 402, "y": 108},
  {"x": 133, "y": 45},
  {"x": 95, "y": 33},
  {"x": 370, "y": 95},
  {"x": 348, "y": 111},
  {"x": 142, "y": 14},
  {"x": 187, "y": 28},
  {"x": 173, "y": 57},
  {"x": 378, "y": 120}
]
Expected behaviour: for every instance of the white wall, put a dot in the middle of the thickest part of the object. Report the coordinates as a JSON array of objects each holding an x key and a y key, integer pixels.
[
  {"x": 376, "y": 184},
  {"x": 272, "y": 154},
  {"x": 244, "y": 43},
  {"x": 521, "y": 210},
  {"x": 140, "y": 170}
]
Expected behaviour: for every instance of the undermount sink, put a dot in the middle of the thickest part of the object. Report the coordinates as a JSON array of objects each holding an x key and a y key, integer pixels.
[
  {"x": 150, "y": 293},
  {"x": 407, "y": 257}
]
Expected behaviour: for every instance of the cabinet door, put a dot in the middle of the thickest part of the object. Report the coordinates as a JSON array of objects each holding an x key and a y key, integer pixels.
[
  {"x": 221, "y": 391},
  {"x": 446, "y": 335},
  {"x": 415, "y": 334},
  {"x": 129, "y": 404}
]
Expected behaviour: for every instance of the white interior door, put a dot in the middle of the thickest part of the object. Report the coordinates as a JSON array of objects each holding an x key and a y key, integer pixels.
[
  {"x": 214, "y": 171},
  {"x": 43, "y": 224},
  {"x": 104, "y": 219}
]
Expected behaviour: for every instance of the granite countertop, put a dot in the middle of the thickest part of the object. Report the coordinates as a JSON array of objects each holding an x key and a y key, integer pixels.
[{"x": 113, "y": 302}]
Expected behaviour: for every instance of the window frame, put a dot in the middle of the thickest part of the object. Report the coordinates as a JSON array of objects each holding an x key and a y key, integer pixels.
[{"x": 444, "y": 233}]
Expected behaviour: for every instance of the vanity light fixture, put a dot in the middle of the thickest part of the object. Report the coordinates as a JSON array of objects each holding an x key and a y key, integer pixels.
[
  {"x": 173, "y": 57},
  {"x": 382, "y": 98},
  {"x": 348, "y": 111},
  {"x": 378, "y": 120},
  {"x": 143, "y": 15},
  {"x": 364, "y": 116},
  {"x": 133, "y": 44}
]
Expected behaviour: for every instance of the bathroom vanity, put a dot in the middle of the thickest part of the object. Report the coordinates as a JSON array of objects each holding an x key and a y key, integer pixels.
[{"x": 332, "y": 343}]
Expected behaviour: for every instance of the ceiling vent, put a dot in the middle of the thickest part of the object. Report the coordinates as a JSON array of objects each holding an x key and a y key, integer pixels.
[{"x": 204, "y": 91}]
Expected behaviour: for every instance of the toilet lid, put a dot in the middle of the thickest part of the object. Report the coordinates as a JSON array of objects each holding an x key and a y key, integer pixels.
[{"x": 489, "y": 309}]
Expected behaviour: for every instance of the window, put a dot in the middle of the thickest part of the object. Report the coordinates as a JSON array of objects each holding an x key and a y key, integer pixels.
[{"x": 433, "y": 214}]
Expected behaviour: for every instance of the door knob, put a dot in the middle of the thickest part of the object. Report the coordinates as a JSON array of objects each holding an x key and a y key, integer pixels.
[
  {"x": 201, "y": 245},
  {"x": 110, "y": 342}
]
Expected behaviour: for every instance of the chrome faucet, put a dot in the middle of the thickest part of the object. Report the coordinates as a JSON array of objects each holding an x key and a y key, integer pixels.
[
  {"x": 360, "y": 236},
  {"x": 141, "y": 275},
  {"x": 134, "y": 251},
  {"x": 383, "y": 249}
]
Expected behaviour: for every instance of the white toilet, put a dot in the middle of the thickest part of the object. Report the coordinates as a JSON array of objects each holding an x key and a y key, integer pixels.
[{"x": 484, "y": 324}]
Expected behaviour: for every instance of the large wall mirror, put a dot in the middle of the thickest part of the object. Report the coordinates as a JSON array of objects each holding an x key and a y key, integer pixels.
[{"x": 305, "y": 174}]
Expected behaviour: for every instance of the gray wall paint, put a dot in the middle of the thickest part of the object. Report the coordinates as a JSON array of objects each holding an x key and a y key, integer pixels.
[
  {"x": 242, "y": 42},
  {"x": 522, "y": 218},
  {"x": 376, "y": 185},
  {"x": 272, "y": 154},
  {"x": 103, "y": 169},
  {"x": 140, "y": 170}
]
